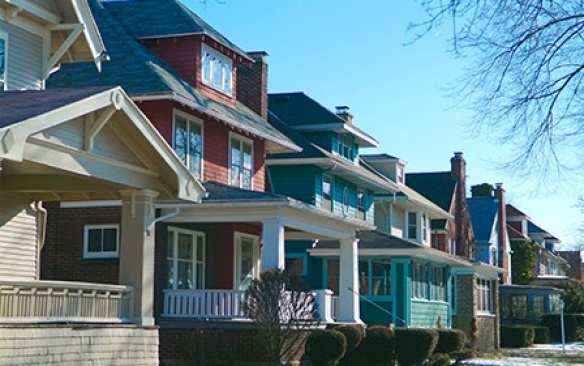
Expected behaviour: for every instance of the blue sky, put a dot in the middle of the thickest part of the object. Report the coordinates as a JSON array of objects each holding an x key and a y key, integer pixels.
[{"x": 354, "y": 53}]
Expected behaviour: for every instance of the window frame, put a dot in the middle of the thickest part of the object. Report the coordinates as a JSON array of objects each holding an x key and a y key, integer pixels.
[
  {"x": 485, "y": 302},
  {"x": 409, "y": 225},
  {"x": 4, "y": 79},
  {"x": 370, "y": 280},
  {"x": 220, "y": 59},
  {"x": 101, "y": 254},
  {"x": 241, "y": 140},
  {"x": 189, "y": 120},
  {"x": 420, "y": 284},
  {"x": 194, "y": 262},
  {"x": 237, "y": 236}
]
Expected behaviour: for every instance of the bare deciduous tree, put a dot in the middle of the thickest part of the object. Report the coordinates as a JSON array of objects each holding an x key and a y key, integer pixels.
[
  {"x": 527, "y": 68},
  {"x": 283, "y": 311}
]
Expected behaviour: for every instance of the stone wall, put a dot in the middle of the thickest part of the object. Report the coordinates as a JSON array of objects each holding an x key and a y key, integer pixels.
[{"x": 53, "y": 344}]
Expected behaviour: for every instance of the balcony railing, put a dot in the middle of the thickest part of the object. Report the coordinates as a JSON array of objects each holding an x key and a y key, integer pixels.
[
  {"x": 224, "y": 304},
  {"x": 57, "y": 301}
]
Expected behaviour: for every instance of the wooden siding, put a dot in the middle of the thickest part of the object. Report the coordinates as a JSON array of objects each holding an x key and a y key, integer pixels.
[
  {"x": 18, "y": 238},
  {"x": 371, "y": 314},
  {"x": 296, "y": 181},
  {"x": 24, "y": 66},
  {"x": 326, "y": 140},
  {"x": 425, "y": 314}
]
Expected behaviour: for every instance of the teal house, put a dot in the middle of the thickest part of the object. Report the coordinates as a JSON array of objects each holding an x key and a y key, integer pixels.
[{"x": 402, "y": 280}]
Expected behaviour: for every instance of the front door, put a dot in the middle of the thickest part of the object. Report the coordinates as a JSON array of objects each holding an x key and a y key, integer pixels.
[{"x": 246, "y": 260}]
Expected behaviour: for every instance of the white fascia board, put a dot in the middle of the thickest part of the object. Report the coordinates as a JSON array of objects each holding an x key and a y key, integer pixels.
[
  {"x": 365, "y": 138},
  {"x": 435, "y": 211},
  {"x": 90, "y": 31},
  {"x": 35, "y": 10},
  {"x": 289, "y": 145}
]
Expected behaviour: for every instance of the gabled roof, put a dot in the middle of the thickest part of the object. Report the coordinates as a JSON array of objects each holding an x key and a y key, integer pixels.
[
  {"x": 303, "y": 113},
  {"x": 512, "y": 211},
  {"x": 161, "y": 19},
  {"x": 515, "y": 234},
  {"x": 533, "y": 229},
  {"x": 438, "y": 187},
  {"x": 483, "y": 216},
  {"x": 145, "y": 76},
  {"x": 219, "y": 192}
]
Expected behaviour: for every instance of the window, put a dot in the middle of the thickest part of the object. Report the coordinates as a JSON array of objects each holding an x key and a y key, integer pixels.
[
  {"x": 332, "y": 271},
  {"x": 412, "y": 225},
  {"x": 185, "y": 258},
  {"x": 425, "y": 230},
  {"x": 361, "y": 204},
  {"x": 101, "y": 241},
  {"x": 346, "y": 146},
  {"x": 296, "y": 265},
  {"x": 437, "y": 284},
  {"x": 538, "y": 306},
  {"x": 327, "y": 192},
  {"x": 400, "y": 174},
  {"x": 3, "y": 59},
  {"x": 419, "y": 281},
  {"x": 493, "y": 257},
  {"x": 241, "y": 160},
  {"x": 216, "y": 70},
  {"x": 346, "y": 198},
  {"x": 375, "y": 277},
  {"x": 188, "y": 142},
  {"x": 247, "y": 250},
  {"x": 519, "y": 306},
  {"x": 485, "y": 296}
]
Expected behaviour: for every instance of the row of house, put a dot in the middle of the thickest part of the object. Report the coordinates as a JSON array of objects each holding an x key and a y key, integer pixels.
[{"x": 155, "y": 177}]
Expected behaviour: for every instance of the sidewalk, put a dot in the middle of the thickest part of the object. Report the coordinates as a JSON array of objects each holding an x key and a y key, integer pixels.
[{"x": 537, "y": 355}]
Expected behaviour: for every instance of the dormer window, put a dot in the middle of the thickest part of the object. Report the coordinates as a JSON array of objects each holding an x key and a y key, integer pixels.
[
  {"x": 216, "y": 70},
  {"x": 346, "y": 147},
  {"x": 400, "y": 175},
  {"x": 3, "y": 58}
]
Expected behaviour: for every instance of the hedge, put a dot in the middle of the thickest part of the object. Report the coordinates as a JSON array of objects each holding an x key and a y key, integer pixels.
[
  {"x": 450, "y": 340},
  {"x": 354, "y": 335},
  {"x": 517, "y": 336},
  {"x": 378, "y": 346},
  {"x": 414, "y": 345},
  {"x": 542, "y": 334},
  {"x": 571, "y": 323},
  {"x": 325, "y": 347}
]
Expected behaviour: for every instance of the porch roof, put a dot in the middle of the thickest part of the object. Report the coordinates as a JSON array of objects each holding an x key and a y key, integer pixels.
[
  {"x": 85, "y": 144},
  {"x": 227, "y": 204},
  {"x": 377, "y": 243}
]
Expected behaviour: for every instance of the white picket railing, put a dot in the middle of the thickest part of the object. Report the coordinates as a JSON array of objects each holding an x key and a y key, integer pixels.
[
  {"x": 59, "y": 301},
  {"x": 223, "y": 304}
]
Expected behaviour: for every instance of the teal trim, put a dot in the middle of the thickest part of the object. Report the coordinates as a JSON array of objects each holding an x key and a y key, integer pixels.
[
  {"x": 449, "y": 298},
  {"x": 304, "y": 257},
  {"x": 401, "y": 277}
]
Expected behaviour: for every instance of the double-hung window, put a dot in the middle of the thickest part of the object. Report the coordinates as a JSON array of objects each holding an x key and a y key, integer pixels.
[
  {"x": 485, "y": 296},
  {"x": 438, "y": 284},
  {"x": 101, "y": 241},
  {"x": 3, "y": 59},
  {"x": 412, "y": 225},
  {"x": 327, "y": 192},
  {"x": 345, "y": 146},
  {"x": 420, "y": 281},
  {"x": 241, "y": 162},
  {"x": 188, "y": 142},
  {"x": 216, "y": 70},
  {"x": 185, "y": 258}
]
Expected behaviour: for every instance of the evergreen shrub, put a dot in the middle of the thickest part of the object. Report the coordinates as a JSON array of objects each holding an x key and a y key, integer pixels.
[
  {"x": 378, "y": 346},
  {"x": 325, "y": 347},
  {"x": 517, "y": 336},
  {"x": 450, "y": 340},
  {"x": 414, "y": 345}
]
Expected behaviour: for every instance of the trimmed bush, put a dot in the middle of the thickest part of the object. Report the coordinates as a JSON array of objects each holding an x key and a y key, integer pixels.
[
  {"x": 438, "y": 359},
  {"x": 571, "y": 323},
  {"x": 542, "y": 334},
  {"x": 378, "y": 346},
  {"x": 450, "y": 340},
  {"x": 414, "y": 345},
  {"x": 325, "y": 347},
  {"x": 517, "y": 336},
  {"x": 354, "y": 334},
  {"x": 463, "y": 354}
]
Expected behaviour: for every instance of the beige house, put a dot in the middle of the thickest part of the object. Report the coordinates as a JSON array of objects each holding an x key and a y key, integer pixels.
[{"x": 74, "y": 144}]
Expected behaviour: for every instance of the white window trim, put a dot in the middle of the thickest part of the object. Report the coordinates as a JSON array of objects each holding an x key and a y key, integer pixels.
[
  {"x": 224, "y": 59},
  {"x": 195, "y": 120},
  {"x": 346, "y": 201},
  {"x": 4, "y": 36},
  {"x": 482, "y": 284},
  {"x": 100, "y": 255},
  {"x": 417, "y": 224},
  {"x": 235, "y": 136},
  {"x": 195, "y": 234},
  {"x": 237, "y": 235}
]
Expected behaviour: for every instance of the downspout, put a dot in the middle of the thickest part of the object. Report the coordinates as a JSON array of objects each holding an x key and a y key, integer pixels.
[
  {"x": 37, "y": 206},
  {"x": 165, "y": 217}
]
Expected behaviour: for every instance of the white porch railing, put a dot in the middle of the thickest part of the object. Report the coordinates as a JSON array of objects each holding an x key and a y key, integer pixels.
[
  {"x": 58, "y": 301},
  {"x": 335, "y": 304},
  {"x": 223, "y": 304}
]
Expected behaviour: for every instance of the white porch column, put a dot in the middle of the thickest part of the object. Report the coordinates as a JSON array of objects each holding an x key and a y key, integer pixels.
[
  {"x": 137, "y": 251},
  {"x": 273, "y": 245},
  {"x": 349, "y": 311}
]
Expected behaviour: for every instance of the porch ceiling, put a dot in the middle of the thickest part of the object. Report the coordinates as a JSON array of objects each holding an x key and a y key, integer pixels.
[{"x": 85, "y": 144}]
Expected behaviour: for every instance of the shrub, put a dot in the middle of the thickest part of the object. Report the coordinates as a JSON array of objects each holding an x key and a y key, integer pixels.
[
  {"x": 378, "y": 346},
  {"x": 438, "y": 359},
  {"x": 516, "y": 336},
  {"x": 354, "y": 334},
  {"x": 571, "y": 323},
  {"x": 463, "y": 354},
  {"x": 414, "y": 345},
  {"x": 325, "y": 347},
  {"x": 449, "y": 340},
  {"x": 542, "y": 334}
]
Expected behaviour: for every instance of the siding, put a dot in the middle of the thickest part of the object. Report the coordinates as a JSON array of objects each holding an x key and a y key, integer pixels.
[
  {"x": 371, "y": 314},
  {"x": 425, "y": 314},
  {"x": 294, "y": 181},
  {"x": 24, "y": 67},
  {"x": 18, "y": 238}
]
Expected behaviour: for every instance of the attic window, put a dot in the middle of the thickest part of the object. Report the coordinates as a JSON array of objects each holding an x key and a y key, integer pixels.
[{"x": 216, "y": 70}]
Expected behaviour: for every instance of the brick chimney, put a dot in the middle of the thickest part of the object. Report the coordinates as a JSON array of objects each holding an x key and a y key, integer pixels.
[
  {"x": 252, "y": 84},
  {"x": 463, "y": 237},
  {"x": 504, "y": 262},
  {"x": 343, "y": 112}
]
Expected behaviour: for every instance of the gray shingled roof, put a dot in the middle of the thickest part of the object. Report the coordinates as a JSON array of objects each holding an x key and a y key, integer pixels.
[
  {"x": 17, "y": 106},
  {"x": 218, "y": 192},
  {"x": 162, "y": 18},
  {"x": 140, "y": 72},
  {"x": 372, "y": 239},
  {"x": 298, "y": 109}
]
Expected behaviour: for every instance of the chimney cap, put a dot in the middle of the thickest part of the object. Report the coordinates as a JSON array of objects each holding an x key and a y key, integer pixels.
[
  {"x": 499, "y": 185},
  {"x": 342, "y": 109},
  {"x": 257, "y": 55}
]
